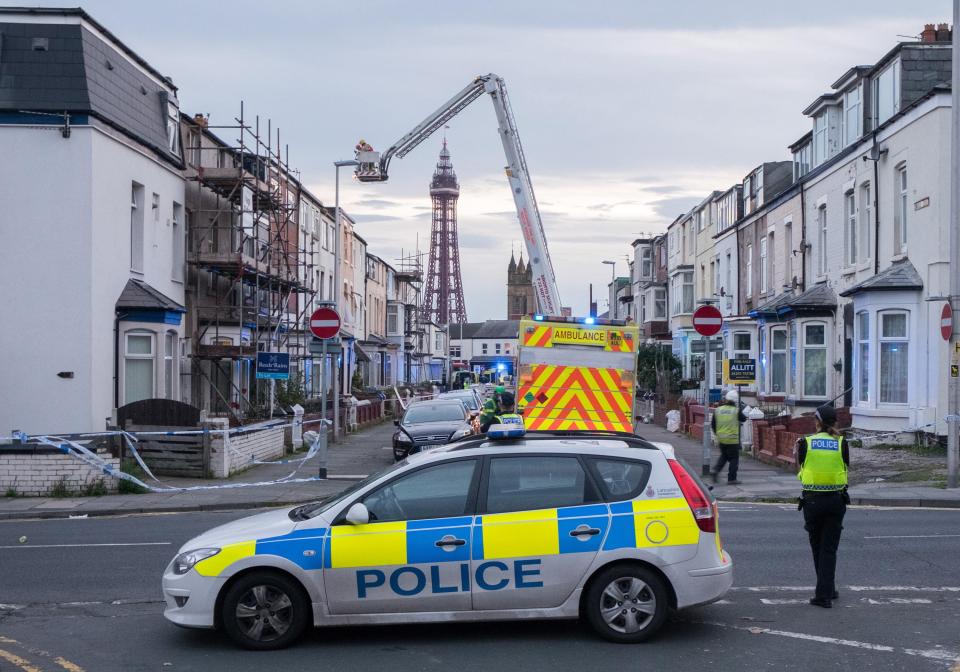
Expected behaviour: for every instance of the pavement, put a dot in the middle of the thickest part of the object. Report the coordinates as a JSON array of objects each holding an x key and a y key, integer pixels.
[
  {"x": 84, "y": 595},
  {"x": 367, "y": 452}
]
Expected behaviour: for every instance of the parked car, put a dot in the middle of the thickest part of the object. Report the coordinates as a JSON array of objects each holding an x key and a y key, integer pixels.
[{"x": 431, "y": 423}]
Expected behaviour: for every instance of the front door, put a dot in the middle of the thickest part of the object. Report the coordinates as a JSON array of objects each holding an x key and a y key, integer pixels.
[
  {"x": 414, "y": 554},
  {"x": 541, "y": 527}
]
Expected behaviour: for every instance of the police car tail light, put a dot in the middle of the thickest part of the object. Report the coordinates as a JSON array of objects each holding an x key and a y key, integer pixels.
[{"x": 701, "y": 507}]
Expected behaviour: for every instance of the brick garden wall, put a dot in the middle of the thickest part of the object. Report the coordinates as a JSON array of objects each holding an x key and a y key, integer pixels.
[{"x": 36, "y": 472}]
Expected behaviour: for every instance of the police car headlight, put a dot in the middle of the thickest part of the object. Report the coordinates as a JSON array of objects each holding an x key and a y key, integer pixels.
[{"x": 184, "y": 562}]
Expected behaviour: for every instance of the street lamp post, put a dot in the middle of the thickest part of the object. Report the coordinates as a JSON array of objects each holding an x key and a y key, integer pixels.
[
  {"x": 337, "y": 291},
  {"x": 613, "y": 289},
  {"x": 953, "y": 383}
]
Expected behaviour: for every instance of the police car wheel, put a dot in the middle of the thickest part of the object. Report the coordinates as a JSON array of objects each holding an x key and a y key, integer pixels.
[
  {"x": 626, "y": 603},
  {"x": 264, "y": 611}
]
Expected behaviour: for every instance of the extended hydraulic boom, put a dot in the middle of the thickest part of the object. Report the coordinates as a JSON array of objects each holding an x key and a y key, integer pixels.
[{"x": 374, "y": 165}]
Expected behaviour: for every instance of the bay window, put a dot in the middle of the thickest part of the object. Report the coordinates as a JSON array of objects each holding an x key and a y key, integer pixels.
[
  {"x": 646, "y": 263},
  {"x": 778, "y": 360},
  {"x": 814, "y": 359},
  {"x": 688, "y": 292},
  {"x": 894, "y": 352},
  {"x": 863, "y": 356},
  {"x": 138, "y": 368}
]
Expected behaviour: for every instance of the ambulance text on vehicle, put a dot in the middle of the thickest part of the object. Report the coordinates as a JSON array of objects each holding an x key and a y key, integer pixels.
[{"x": 577, "y": 374}]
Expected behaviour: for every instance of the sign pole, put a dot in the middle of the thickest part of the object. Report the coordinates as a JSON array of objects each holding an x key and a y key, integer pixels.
[
  {"x": 953, "y": 382},
  {"x": 322, "y": 453},
  {"x": 273, "y": 390},
  {"x": 739, "y": 437},
  {"x": 706, "y": 409}
]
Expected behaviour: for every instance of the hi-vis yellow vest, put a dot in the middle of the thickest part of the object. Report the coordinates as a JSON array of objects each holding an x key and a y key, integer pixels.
[
  {"x": 823, "y": 468},
  {"x": 727, "y": 423}
]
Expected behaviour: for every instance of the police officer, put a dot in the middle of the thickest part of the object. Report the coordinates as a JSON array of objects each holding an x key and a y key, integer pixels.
[
  {"x": 505, "y": 413},
  {"x": 823, "y": 458},
  {"x": 490, "y": 406},
  {"x": 726, "y": 426}
]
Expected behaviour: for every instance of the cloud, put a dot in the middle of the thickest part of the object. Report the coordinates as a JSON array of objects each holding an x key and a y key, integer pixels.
[
  {"x": 377, "y": 203},
  {"x": 362, "y": 218},
  {"x": 671, "y": 208},
  {"x": 663, "y": 189}
]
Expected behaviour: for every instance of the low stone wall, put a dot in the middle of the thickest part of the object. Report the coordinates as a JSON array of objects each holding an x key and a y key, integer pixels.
[
  {"x": 40, "y": 472},
  {"x": 234, "y": 453}
]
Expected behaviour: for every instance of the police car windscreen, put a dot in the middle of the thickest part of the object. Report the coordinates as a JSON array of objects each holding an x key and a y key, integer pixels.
[{"x": 433, "y": 413}]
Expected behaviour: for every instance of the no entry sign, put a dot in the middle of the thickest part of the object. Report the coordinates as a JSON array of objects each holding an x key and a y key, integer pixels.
[
  {"x": 946, "y": 322},
  {"x": 325, "y": 323},
  {"x": 707, "y": 320}
]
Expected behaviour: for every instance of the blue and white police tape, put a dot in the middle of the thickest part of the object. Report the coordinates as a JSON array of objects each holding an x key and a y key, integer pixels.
[{"x": 85, "y": 455}]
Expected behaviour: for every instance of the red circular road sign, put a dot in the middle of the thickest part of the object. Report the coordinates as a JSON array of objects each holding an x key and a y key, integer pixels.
[
  {"x": 325, "y": 323},
  {"x": 946, "y": 322},
  {"x": 707, "y": 320}
]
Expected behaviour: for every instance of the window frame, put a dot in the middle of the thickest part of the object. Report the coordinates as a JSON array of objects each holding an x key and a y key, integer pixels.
[
  {"x": 805, "y": 346},
  {"x": 749, "y": 274},
  {"x": 861, "y": 358},
  {"x": 785, "y": 352},
  {"x": 151, "y": 357},
  {"x": 881, "y": 340},
  {"x": 137, "y": 226},
  {"x": 822, "y": 239},
  {"x": 170, "y": 365},
  {"x": 903, "y": 207},
  {"x": 646, "y": 263},
  {"x": 850, "y": 228},
  {"x": 865, "y": 219},
  {"x": 660, "y": 300},
  {"x": 764, "y": 268}
]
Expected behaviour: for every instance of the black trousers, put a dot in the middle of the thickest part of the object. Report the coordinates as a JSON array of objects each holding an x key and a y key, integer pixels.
[
  {"x": 823, "y": 520},
  {"x": 729, "y": 452}
]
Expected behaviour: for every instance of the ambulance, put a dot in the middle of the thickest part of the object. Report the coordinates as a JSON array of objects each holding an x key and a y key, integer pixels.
[{"x": 577, "y": 373}]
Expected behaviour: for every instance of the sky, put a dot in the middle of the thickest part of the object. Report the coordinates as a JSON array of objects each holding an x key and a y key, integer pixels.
[{"x": 630, "y": 112}]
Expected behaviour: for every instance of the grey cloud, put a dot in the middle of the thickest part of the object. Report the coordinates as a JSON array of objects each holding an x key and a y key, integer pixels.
[
  {"x": 377, "y": 203},
  {"x": 671, "y": 207},
  {"x": 376, "y": 218},
  {"x": 663, "y": 189}
]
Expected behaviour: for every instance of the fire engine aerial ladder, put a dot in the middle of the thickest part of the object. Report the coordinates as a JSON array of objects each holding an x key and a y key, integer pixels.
[{"x": 374, "y": 168}]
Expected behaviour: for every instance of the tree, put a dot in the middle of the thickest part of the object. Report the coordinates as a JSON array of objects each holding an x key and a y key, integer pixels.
[{"x": 658, "y": 370}]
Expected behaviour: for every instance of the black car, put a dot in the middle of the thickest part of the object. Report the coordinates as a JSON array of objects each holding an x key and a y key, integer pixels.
[
  {"x": 426, "y": 424},
  {"x": 469, "y": 398}
]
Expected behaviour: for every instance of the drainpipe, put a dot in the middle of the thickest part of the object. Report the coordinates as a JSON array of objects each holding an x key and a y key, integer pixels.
[
  {"x": 876, "y": 211},
  {"x": 116, "y": 360},
  {"x": 803, "y": 241}
]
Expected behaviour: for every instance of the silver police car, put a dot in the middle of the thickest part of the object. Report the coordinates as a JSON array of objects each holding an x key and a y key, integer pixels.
[{"x": 598, "y": 525}]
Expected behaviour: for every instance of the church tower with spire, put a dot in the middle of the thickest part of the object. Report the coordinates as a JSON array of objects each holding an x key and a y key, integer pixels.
[{"x": 520, "y": 299}]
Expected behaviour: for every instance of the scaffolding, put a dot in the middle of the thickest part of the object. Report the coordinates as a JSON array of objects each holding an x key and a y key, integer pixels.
[{"x": 250, "y": 276}]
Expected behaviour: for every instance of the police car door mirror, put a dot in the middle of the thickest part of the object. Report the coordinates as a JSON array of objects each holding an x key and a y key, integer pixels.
[{"x": 358, "y": 514}]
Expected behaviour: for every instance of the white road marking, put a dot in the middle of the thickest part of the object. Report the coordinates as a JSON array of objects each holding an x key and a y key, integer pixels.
[
  {"x": 933, "y": 654},
  {"x": 135, "y": 543},
  {"x": 782, "y": 601},
  {"x": 11, "y": 607},
  {"x": 859, "y": 589},
  {"x": 896, "y": 600},
  {"x": 915, "y": 536}
]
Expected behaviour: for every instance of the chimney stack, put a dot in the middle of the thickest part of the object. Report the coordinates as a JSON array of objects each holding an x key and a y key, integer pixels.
[
  {"x": 944, "y": 34},
  {"x": 929, "y": 33}
]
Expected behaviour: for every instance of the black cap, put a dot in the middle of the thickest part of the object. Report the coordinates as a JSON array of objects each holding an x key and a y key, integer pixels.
[
  {"x": 827, "y": 415},
  {"x": 506, "y": 399}
]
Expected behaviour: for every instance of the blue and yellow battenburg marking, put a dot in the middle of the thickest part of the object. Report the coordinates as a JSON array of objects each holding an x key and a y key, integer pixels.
[{"x": 644, "y": 523}]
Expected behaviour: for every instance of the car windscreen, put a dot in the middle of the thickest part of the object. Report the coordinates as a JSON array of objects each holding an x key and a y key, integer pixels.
[
  {"x": 433, "y": 413},
  {"x": 469, "y": 400}
]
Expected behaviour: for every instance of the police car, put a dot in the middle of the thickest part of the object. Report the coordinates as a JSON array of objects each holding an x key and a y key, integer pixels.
[{"x": 602, "y": 526}]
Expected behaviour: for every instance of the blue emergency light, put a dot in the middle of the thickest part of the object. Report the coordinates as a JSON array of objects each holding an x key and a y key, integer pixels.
[
  {"x": 589, "y": 320},
  {"x": 513, "y": 429},
  {"x": 538, "y": 318}
]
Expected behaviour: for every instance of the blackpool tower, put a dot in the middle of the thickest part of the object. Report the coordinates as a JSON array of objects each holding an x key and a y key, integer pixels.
[{"x": 443, "y": 301}]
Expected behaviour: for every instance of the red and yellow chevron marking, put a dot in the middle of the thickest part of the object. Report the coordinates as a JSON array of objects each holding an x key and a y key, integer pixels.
[
  {"x": 539, "y": 336},
  {"x": 611, "y": 339},
  {"x": 573, "y": 397}
]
